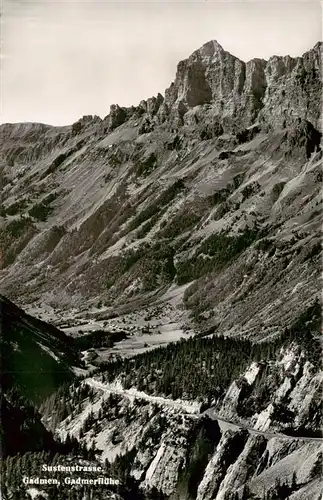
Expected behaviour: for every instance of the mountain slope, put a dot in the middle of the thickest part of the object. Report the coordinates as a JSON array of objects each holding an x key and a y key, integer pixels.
[
  {"x": 35, "y": 357},
  {"x": 35, "y": 360},
  {"x": 219, "y": 182},
  {"x": 21, "y": 427}
]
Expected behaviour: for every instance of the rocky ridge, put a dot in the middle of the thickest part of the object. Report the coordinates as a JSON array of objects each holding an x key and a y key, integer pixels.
[{"x": 229, "y": 157}]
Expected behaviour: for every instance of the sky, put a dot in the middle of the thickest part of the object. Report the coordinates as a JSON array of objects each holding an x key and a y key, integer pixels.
[{"x": 64, "y": 59}]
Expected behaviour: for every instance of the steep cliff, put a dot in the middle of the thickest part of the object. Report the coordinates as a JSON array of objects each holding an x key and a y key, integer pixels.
[{"x": 176, "y": 451}]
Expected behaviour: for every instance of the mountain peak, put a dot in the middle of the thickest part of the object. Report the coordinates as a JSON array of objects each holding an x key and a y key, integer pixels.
[{"x": 210, "y": 48}]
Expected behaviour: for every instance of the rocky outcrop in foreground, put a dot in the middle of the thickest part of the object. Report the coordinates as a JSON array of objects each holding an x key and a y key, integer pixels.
[{"x": 178, "y": 453}]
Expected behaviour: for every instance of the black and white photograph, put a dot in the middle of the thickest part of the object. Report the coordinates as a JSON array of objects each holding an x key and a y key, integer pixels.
[{"x": 161, "y": 250}]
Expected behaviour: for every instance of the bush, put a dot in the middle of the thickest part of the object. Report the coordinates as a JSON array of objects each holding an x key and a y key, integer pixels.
[
  {"x": 15, "y": 208},
  {"x": 147, "y": 166},
  {"x": 179, "y": 224},
  {"x": 143, "y": 230},
  {"x": 17, "y": 227},
  {"x": 42, "y": 210},
  {"x": 250, "y": 189}
]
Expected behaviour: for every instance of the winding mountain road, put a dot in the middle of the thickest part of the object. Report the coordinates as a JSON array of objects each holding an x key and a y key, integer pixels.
[
  {"x": 192, "y": 408},
  {"x": 227, "y": 424}
]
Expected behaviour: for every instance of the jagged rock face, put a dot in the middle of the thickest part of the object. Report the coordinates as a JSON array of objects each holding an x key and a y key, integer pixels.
[
  {"x": 244, "y": 467},
  {"x": 239, "y": 92},
  {"x": 306, "y": 396},
  {"x": 189, "y": 455},
  {"x": 173, "y": 191},
  {"x": 213, "y": 76},
  {"x": 228, "y": 450},
  {"x": 116, "y": 117},
  {"x": 292, "y": 90},
  {"x": 304, "y": 136},
  {"x": 288, "y": 397}
]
